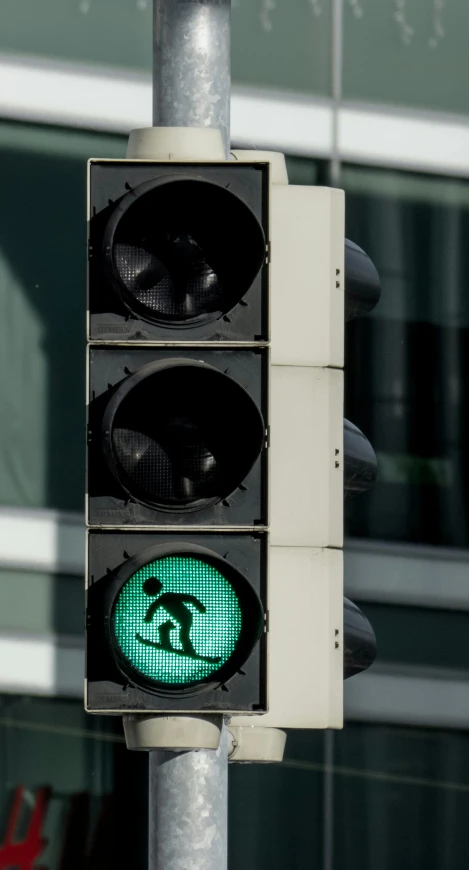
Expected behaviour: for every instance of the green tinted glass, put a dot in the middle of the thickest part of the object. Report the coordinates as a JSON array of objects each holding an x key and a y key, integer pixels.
[
  {"x": 177, "y": 620},
  {"x": 407, "y": 53}
]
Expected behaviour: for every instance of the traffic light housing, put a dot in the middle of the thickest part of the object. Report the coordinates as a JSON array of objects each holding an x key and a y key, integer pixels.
[
  {"x": 305, "y": 639},
  {"x": 316, "y": 637},
  {"x": 178, "y": 421},
  {"x": 217, "y": 454}
]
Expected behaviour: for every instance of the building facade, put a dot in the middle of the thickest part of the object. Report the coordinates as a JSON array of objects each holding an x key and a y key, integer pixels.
[{"x": 369, "y": 95}]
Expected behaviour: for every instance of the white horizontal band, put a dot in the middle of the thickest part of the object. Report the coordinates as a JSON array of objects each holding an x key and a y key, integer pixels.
[
  {"x": 112, "y": 100},
  {"x": 375, "y": 571},
  {"x": 42, "y": 540},
  {"x": 54, "y": 666},
  {"x": 41, "y": 665},
  {"x": 425, "y": 142},
  {"x": 280, "y": 122},
  {"x": 408, "y": 696},
  {"x": 75, "y": 96},
  {"x": 406, "y": 574}
]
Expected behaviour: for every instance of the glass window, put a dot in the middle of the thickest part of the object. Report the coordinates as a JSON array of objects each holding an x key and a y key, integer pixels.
[
  {"x": 41, "y": 603},
  {"x": 370, "y": 796},
  {"x": 42, "y": 305},
  {"x": 68, "y": 787},
  {"x": 112, "y": 32},
  {"x": 302, "y": 170},
  {"x": 276, "y": 810},
  {"x": 401, "y": 799},
  {"x": 276, "y": 43},
  {"x": 420, "y": 637},
  {"x": 283, "y": 44},
  {"x": 407, "y": 52},
  {"x": 406, "y": 383}
]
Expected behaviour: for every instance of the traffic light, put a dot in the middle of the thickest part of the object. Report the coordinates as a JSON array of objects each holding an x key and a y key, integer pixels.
[
  {"x": 218, "y": 456},
  {"x": 178, "y": 427}
]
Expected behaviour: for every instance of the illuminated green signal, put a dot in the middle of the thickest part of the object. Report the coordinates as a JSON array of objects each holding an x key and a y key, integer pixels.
[{"x": 177, "y": 620}]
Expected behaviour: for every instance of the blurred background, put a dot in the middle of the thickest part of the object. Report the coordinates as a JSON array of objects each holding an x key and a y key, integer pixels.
[{"x": 368, "y": 95}]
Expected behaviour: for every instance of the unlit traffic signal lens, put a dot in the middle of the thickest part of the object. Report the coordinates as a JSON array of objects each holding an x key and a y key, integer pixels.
[
  {"x": 181, "y": 434},
  {"x": 182, "y": 252}
]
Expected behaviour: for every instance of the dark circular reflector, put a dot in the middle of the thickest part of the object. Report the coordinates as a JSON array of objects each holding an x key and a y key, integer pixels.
[
  {"x": 181, "y": 435},
  {"x": 182, "y": 252}
]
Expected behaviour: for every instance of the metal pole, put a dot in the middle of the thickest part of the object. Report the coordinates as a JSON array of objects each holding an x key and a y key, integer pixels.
[
  {"x": 188, "y": 791},
  {"x": 328, "y": 798},
  {"x": 337, "y": 75},
  {"x": 188, "y": 809},
  {"x": 191, "y": 64}
]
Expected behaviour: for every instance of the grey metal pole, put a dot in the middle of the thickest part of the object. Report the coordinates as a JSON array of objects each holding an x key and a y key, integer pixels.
[
  {"x": 337, "y": 74},
  {"x": 328, "y": 801},
  {"x": 191, "y": 64},
  {"x": 188, "y": 809},
  {"x": 188, "y": 791}
]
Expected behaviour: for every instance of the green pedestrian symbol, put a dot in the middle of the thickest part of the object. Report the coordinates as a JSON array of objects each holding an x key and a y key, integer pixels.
[
  {"x": 175, "y": 604},
  {"x": 177, "y": 620}
]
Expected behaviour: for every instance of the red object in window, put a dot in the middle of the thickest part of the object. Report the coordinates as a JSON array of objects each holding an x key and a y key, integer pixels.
[{"x": 23, "y": 854}]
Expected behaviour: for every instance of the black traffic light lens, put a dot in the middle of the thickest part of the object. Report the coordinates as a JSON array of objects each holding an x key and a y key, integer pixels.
[
  {"x": 181, "y": 435},
  {"x": 170, "y": 277},
  {"x": 183, "y": 252}
]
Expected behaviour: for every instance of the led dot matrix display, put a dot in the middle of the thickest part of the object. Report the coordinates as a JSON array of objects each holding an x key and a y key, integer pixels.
[{"x": 177, "y": 620}]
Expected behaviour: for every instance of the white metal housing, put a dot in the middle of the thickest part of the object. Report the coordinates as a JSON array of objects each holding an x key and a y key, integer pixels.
[
  {"x": 305, "y": 672},
  {"x": 306, "y": 457},
  {"x": 306, "y": 276},
  {"x": 305, "y": 628}
]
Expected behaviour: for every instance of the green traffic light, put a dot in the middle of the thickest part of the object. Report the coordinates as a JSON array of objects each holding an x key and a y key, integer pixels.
[{"x": 177, "y": 620}]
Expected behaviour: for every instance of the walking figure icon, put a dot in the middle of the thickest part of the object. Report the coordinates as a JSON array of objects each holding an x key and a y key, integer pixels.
[{"x": 175, "y": 604}]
